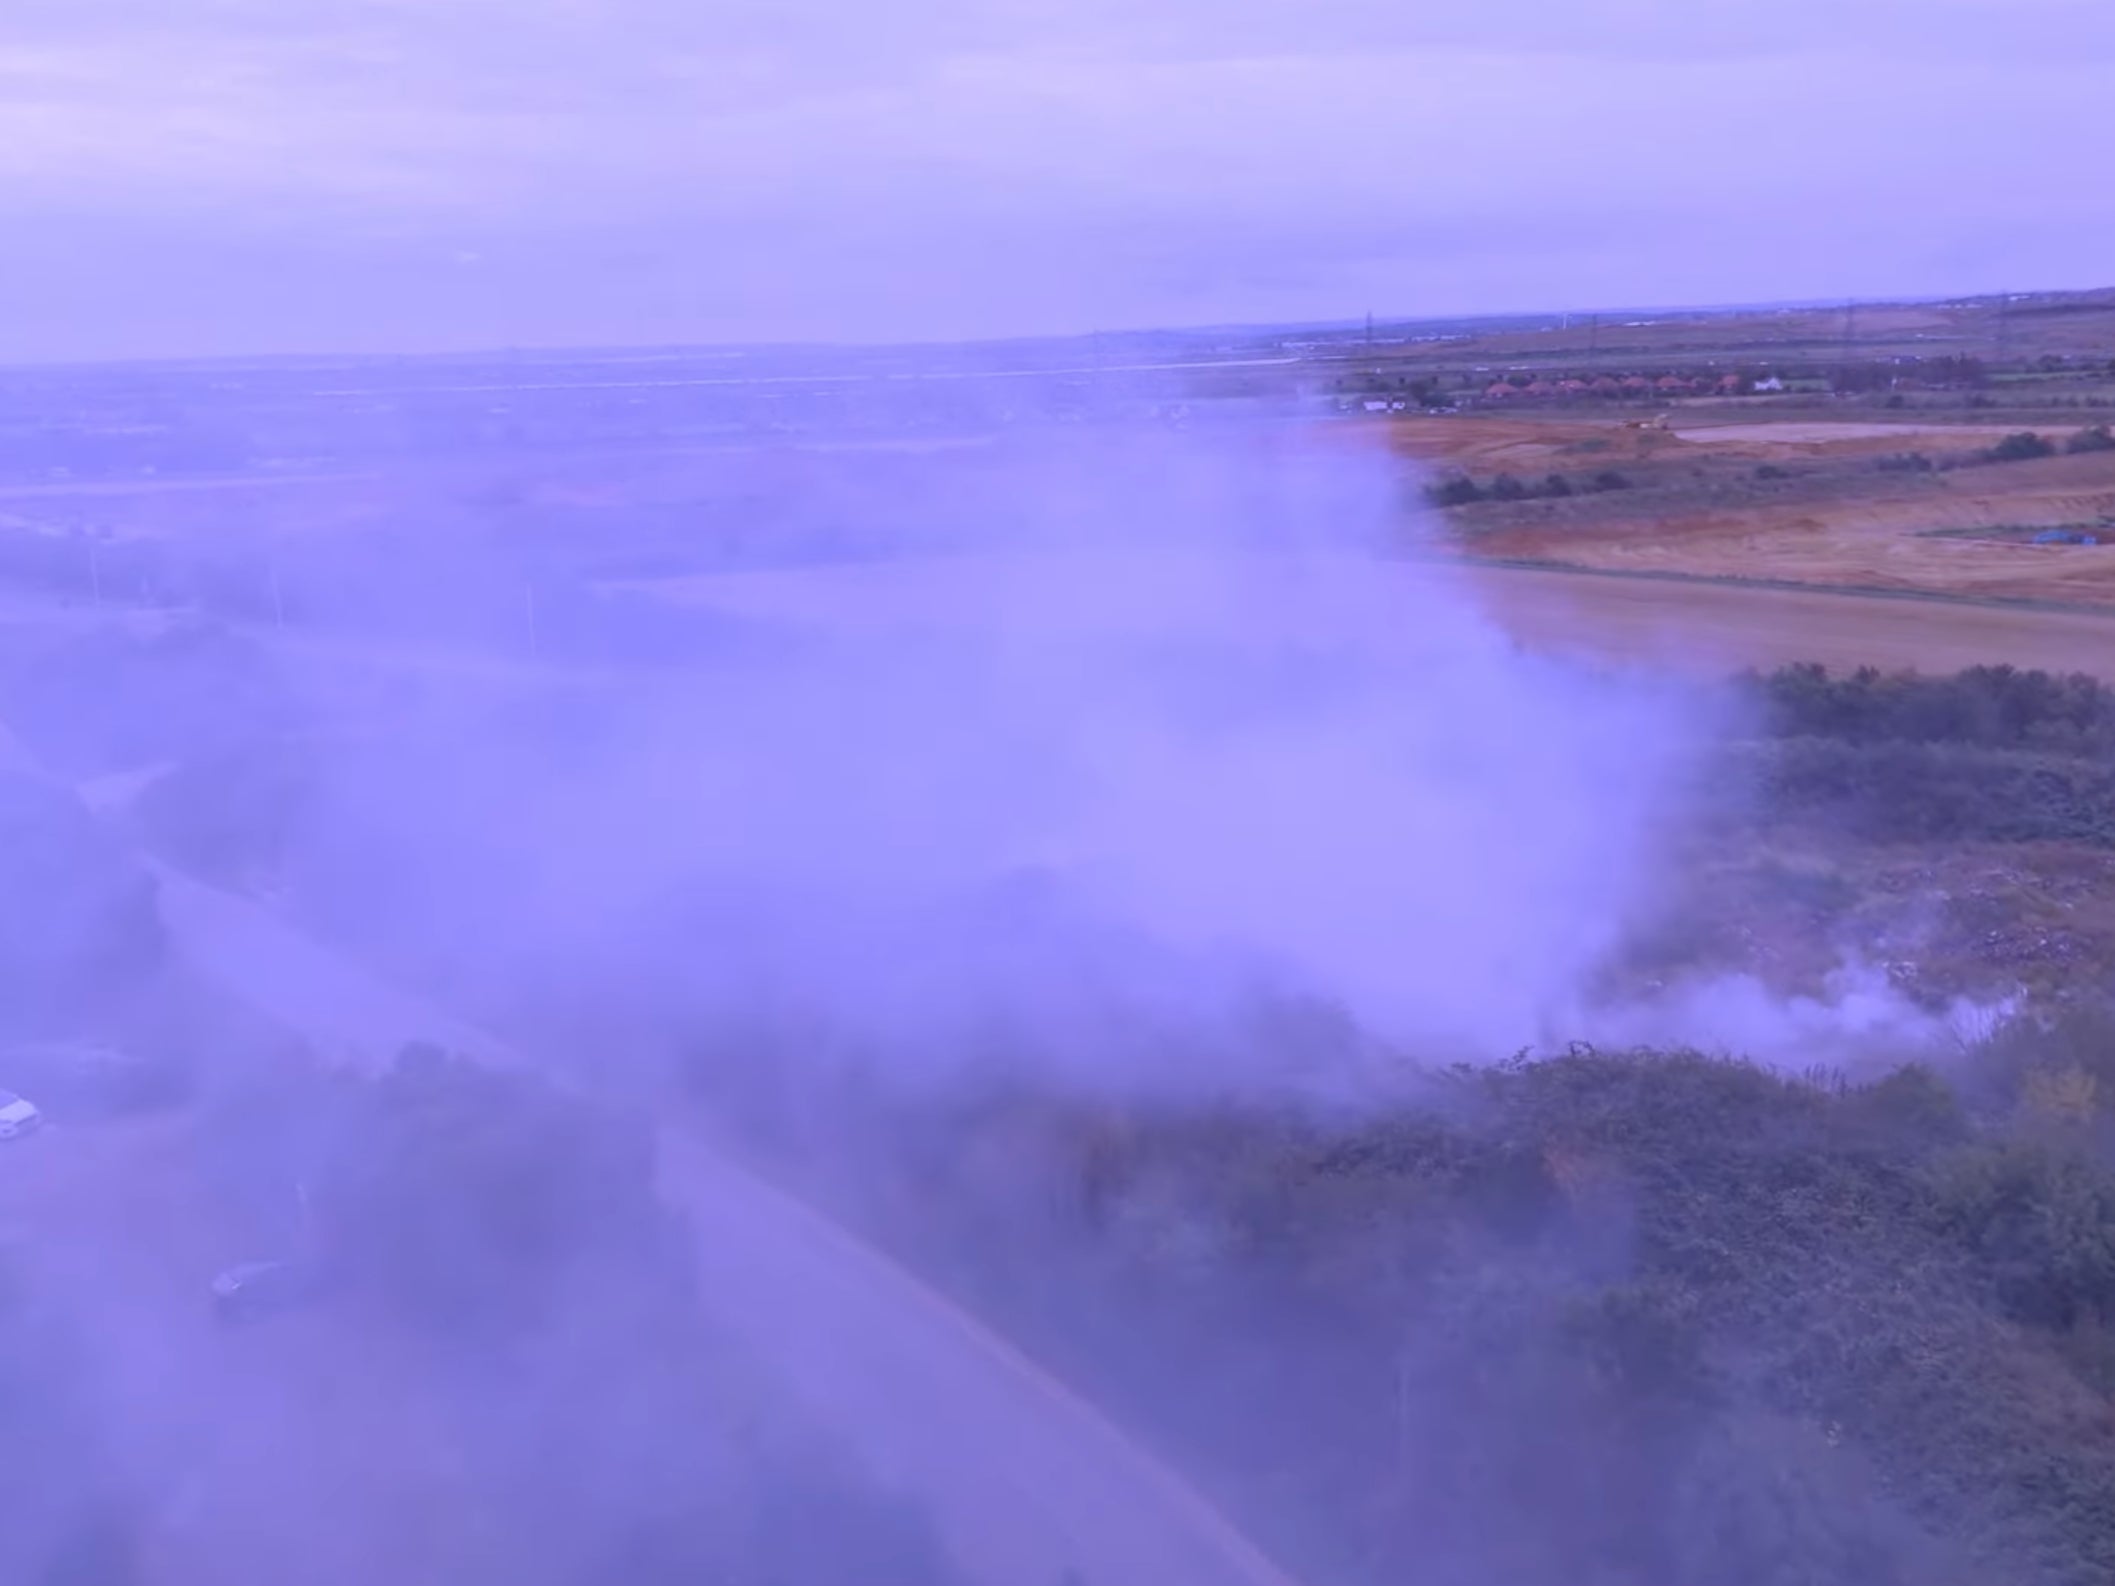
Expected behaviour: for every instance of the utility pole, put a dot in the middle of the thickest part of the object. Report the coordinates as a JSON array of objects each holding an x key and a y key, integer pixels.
[{"x": 1593, "y": 340}]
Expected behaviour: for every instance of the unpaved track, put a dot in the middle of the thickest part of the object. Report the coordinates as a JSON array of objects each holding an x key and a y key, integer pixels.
[
  {"x": 1698, "y": 626},
  {"x": 1692, "y": 625},
  {"x": 1024, "y": 1480}
]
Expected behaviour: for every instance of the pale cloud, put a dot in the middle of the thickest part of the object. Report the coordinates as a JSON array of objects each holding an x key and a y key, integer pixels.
[{"x": 189, "y": 174}]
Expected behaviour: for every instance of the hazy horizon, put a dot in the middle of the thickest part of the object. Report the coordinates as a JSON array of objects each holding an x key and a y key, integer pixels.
[
  {"x": 649, "y": 351},
  {"x": 203, "y": 178}
]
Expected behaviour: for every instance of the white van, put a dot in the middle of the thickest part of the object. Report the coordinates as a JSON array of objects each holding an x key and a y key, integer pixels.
[{"x": 16, "y": 1115}]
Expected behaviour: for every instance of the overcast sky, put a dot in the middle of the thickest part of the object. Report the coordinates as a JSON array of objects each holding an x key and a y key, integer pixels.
[{"x": 197, "y": 176}]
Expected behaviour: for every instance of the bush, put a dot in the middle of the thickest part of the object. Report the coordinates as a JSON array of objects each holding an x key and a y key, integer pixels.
[
  {"x": 464, "y": 1195},
  {"x": 1912, "y": 792},
  {"x": 2000, "y": 707},
  {"x": 2094, "y": 438},
  {"x": 1610, "y": 479},
  {"x": 1992, "y": 754},
  {"x": 1458, "y": 491},
  {"x": 1507, "y": 488},
  {"x": 1556, "y": 485},
  {"x": 2041, "y": 1221},
  {"x": 2021, "y": 446},
  {"x": 1814, "y": 1333}
]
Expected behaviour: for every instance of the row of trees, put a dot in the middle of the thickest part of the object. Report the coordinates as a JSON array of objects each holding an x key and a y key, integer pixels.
[{"x": 1460, "y": 490}]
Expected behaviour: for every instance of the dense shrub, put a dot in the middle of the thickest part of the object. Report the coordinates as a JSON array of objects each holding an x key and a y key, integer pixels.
[
  {"x": 1651, "y": 1318},
  {"x": 1903, "y": 792},
  {"x": 2041, "y": 1220},
  {"x": 465, "y": 1195},
  {"x": 1996, "y": 707},
  {"x": 2094, "y": 438},
  {"x": 1990, "y": 754},
  {"x": 2021, "y": 446},
  {"x": 1458, "y": 491}
]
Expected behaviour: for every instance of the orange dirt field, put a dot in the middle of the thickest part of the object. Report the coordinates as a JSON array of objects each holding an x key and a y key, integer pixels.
[{"x": 1826, "y": 511}]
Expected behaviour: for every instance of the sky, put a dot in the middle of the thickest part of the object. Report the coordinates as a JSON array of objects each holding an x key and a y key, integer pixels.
[{"x": 185, "y": 177}]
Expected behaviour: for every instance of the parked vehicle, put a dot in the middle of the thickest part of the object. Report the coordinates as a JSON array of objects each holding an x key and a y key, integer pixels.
[{"x": 16, "y": 1115}]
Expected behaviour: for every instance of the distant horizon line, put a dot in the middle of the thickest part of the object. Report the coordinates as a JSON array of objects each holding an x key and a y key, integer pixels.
[{"x": 657, "y": 351}]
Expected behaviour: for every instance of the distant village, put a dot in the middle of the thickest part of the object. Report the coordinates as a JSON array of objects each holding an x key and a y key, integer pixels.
[
  {"x": 1521, "y": 387},
  {"x": 1378, "y": 390},
  {"x": 1631, "y": 386}
]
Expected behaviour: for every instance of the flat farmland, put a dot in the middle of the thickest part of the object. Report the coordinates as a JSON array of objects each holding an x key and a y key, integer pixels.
[{"x": 1914, "y": 507}]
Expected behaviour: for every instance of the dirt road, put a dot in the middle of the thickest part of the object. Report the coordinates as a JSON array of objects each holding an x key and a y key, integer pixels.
[
  {"x": 1703, "y": 627},
  {"x": 1687, "y": 624},
  {"x": 1024, "y": 1480}
]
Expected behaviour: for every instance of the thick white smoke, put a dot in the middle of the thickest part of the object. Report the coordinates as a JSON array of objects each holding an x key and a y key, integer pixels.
[{"x": 1141, "y": 732}]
